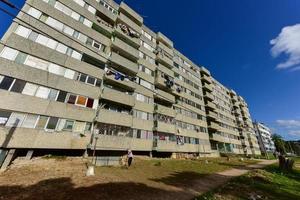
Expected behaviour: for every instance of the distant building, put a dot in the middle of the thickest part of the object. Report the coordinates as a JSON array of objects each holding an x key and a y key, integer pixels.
[{"x": 264, "y": 137}]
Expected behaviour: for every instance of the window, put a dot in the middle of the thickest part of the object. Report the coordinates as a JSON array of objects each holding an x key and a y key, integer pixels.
[
  {"x": 52, "y": 122},
  {"x": 42, "y": 40},
  {"x": 22, "y": 31},
  {"x": 143, "y": 115},
  {"x": 34, "y": 12},
  {"x": 62, "y": 96},
  {"x": 18, "y": 86},
  {"x": 51, "y": 43},
  {"x": 21, "y": 57},
  {"x": 56, "y": 69},
  {"x": 83, "y": 78},
  {"x": 88, "y": 126},
  {"x": 72, "y": 99},
  {"x": 42, "y": 122},
  {"x": 54, "y": 23},
  {"x": 36, "y": 63},
  {"x": 33, "y": 36},
  {"x": 30, "y": 121},
  {"x": 90, "y": 103},
  {"x": 53, "y": 94},
  {"x": 4, "y": 115},
  {"x": 82, "y": 38},
  {"x": 15, "y": 119},
  {"x": 76, "y": 55},
  {"x": 42, "y": 92},
  {"x": 9, "y": 53},
  {"x": 6, "y": 83},
  {"x": 61, "y": 48},
  {"x": 146, "y": 84},
  {"x": 69, "y": 74},
  {"x": 81, "y": 100},
  {"x": 92, "y": 9},
  {"x": 80, "y": 2},
  {"x": 79, "y": 127},
  {"x": 91, "y": 80},
  {"x": 87, "y": 22},
  {"x": 30, "y": 89},
  {"x": 69, "y": 125}
]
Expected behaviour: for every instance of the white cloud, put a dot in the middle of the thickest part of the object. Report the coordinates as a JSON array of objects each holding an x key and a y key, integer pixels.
[
  {"x": 288, "y": 123},
  {"x": 288, "y": 43},
  {"x": 294, "y": 132}
]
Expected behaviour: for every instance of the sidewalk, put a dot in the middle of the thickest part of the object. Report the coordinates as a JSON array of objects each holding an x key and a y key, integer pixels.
[{"x": 215, "y": 180}]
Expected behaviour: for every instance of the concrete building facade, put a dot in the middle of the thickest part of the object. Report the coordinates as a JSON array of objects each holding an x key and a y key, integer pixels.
[
  {"x": 75, "y": 69},
  {"x": 264, "y": 137}
]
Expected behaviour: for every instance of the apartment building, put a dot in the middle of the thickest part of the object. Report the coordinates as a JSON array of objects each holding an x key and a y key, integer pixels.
[
  {"x": 79, "y": 75},
  {"x": 264, "y": 137}
]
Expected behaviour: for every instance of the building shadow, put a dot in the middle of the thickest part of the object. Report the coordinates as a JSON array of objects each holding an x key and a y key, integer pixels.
[
  {"x": 63, "y": 188},
  {"x": 194, "y": 183}
]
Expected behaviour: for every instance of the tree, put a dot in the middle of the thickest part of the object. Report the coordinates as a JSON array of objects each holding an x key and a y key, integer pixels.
[{"x": 279, "y": 143}]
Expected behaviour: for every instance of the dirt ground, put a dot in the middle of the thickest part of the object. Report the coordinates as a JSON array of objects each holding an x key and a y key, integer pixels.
[{"x": 42, "y": 178}]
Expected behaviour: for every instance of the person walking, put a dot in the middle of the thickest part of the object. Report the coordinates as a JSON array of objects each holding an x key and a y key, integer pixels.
[{"x": 129, "y": 157}]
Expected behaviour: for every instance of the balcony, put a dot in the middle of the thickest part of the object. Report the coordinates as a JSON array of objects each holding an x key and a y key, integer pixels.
[
  {"x": 237, "y": 151},
  {"x": 190, "y": 148},
  {"x": 207, "y": 87},
  {"x": 122, "y": 46},
  {"x": 126, "y": 20},
  {"x": 219, "y": 138},
  {"x": 236, "y": 104},
  {"x": 124, "y": 63},
  {"x": 208, "y": 96},
  {"x": 235, "y": 141},
  {"x": 164, "y": 127},
  {"x": 204, "y": 71},
  {"x": 110, "y": 117},
  {"x": 130, "y": 40},
  {"x": 165, "y": 146},
  {"x": 212, "y": 115},
  {"x": 164, "y": 60},
  {"x": 117, "y": 96},
  {"x": 102, "y": 27},
  {"x": 211, "y": 105},
  {"x": 160, "y": 94},
  {"x": 106, "y": 13},
  {"x": 213, "y": 126},
  {"x": 41, "y": 139},
  {"x": 126, "y": 84},
  {"x": 109, "y": 142},
  {"x": 161, "y": 37},
  {"x": 161, "y": 83},
  {"x": 135, "y": 16},
  {"x": 165, "y": 48},
  {"x": 234, "y": 98},
  {"x": 165, "y": 70},
  {"x": 206, "y": 79},
  {"x": 164, "y": 110}
]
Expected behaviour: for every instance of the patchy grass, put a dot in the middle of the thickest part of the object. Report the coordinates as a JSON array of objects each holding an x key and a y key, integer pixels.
[
  {"x": 159, "y": 179},
  {"x": 268, "y": 183},
  {"x": 149, "y": 170}
]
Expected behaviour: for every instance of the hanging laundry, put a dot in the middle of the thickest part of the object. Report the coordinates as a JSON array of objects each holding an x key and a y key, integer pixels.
[
  {"x": 178, "y": 90},
  {"x": 109, "y": 72},
  {"x": 124, "y": 28},
  {"x": 117, "y": 76}
]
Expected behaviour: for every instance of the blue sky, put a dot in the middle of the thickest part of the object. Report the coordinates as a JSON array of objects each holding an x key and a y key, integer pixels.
[{"x": 233, "y": 40}]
